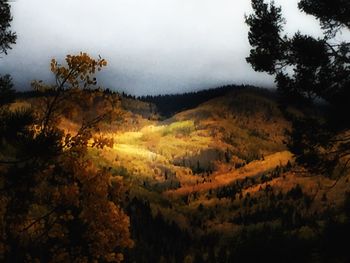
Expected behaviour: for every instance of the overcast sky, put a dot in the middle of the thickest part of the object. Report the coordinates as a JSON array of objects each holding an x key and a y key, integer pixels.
[{"x": 152, "y": 46}]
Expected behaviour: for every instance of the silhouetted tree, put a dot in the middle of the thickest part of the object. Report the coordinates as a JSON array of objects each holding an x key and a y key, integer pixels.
[
  {"x": 7, "y": 37},
  {"x": 308, "y": 69}
]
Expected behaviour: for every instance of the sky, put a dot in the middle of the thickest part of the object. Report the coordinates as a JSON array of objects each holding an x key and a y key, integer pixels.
[{"x": 152, "y": 46}]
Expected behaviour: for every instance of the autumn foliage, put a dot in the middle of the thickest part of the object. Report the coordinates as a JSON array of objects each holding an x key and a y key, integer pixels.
[{"x": 57, "y": 205}]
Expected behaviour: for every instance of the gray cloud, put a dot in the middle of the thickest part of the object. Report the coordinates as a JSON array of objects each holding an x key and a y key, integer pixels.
[{"x": 153, "y": 46}]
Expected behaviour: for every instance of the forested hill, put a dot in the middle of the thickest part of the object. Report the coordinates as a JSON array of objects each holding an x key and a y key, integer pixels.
[{"x": 168, "y": 105}]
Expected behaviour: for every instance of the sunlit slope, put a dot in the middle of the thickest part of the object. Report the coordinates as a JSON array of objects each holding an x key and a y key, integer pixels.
[
  {"x": 199, "y": 155},
  {"x": 242, "y": 119},
  {"x": 217, "y": 140},
  {"x": 215, "y": 168},
  {"x": 252, "y": 170},
  {"x": 208, "y": 167}
]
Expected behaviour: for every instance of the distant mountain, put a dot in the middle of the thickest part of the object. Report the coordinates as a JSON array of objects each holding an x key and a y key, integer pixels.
[{"x": 170, "y": 104}]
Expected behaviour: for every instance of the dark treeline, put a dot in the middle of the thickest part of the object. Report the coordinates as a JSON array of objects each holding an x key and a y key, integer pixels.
[
  {"x": 169, "y": 104},
  {"x": 159, "y": 240},
  {"x": 156, "y": 239}
]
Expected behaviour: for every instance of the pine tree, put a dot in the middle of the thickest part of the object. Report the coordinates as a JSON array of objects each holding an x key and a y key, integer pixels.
[{"x": 308, "y": 69}]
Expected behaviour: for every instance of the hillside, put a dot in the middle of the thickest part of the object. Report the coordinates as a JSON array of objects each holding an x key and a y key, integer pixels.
[
  {"x": 223, "y": 167},
  {"x": 209, "y": 173}
]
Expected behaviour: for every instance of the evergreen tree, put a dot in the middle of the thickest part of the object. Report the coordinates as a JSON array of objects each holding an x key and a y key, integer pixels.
[
  {"x": 7, "y": 37},
  {"x": 308, "y": 69}
]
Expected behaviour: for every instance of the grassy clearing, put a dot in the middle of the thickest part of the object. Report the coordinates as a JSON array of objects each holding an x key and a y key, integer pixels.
[{"x": 179, "y": 128}]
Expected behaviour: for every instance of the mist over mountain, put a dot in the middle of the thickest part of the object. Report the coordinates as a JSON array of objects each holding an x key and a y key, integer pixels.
[{"x": 153, "y": 47}]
